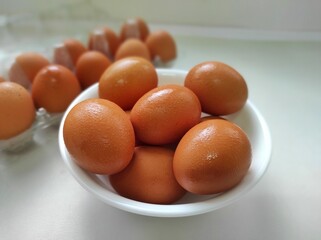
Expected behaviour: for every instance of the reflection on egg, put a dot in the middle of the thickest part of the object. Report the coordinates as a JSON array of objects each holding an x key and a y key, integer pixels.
[
  {"x": 54, "y": 88},
  {"x": 126, "y": 80},
  {"x": 164, "y": 114},
  {"x": 99, "y": 136},
  {"x": 17, "y": 111},
  {"x": 219, "y": 87},
  {"x": 212, "y": 157}
]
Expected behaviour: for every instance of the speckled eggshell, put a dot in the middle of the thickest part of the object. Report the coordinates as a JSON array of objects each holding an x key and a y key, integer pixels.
[
  {"x": 149, "y": 177},
  {"x": 220, "y": 88},
  {"x": 212, "y": 157}
]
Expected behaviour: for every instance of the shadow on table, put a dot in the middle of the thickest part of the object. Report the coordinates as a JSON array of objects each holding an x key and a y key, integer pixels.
[{"x": 253, "y": 217}]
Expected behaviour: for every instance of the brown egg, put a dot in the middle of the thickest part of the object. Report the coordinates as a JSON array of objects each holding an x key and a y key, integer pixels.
[
  {"x": 134, "y": 28},
  {"x": 212, "y": 157},
  {"x": 132, "y": 48},
  {"x": 90, "y": 66},
  {"x": 126, "y": 80},
  {"x": 1, "y": 79},
  {"x": 54, "y": 88},
  {"x": 164, "y": 114},
  {"x": 162, "y": 45},
  {"x": 105, "y": 41},
  {"x": 149, "y": 177},
  {"x": 220, "y": 88},
  {"x": 17, "y": 111},
  {"x": 99, "y": 136},
  {"x": 25, "y": 68},
  {"x": 67, "y": 53}
]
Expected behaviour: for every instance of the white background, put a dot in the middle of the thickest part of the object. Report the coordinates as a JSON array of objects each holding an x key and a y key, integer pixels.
[
  {"x": 39, "y": 199},
  {"x": 284, "y": 15}
]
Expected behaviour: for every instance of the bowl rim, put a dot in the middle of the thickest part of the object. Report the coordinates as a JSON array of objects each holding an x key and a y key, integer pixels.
[{"x": 172, "y": 210}]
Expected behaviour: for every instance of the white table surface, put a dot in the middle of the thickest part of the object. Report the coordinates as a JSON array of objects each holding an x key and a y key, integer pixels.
[{"x": 39, "y": 199}]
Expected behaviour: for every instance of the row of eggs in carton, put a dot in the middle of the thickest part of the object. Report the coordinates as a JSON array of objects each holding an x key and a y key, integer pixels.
[{"x": 35, "y": 89}]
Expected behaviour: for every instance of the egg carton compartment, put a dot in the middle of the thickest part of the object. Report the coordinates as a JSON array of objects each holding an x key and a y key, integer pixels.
[{"x": 43, "y": 120}]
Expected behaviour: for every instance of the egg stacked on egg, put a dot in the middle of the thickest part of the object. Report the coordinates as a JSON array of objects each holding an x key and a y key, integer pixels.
[
  {"x": 53, "y": 82},
  {"x": 153, "y": 142}
]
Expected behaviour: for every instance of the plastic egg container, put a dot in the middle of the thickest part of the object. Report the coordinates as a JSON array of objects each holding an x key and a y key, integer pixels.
[
  {"x": 43, "y": 120},
  {"x": 162, "y": 50}
]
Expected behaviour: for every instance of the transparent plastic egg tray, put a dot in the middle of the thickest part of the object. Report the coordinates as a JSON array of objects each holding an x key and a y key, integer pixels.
[
  {"x": 40, "y": 32},
  {"x": 43, "y": 120}
]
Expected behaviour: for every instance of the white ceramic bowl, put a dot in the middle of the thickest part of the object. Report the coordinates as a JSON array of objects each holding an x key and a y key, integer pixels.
[{"x": 249, "y": 119}]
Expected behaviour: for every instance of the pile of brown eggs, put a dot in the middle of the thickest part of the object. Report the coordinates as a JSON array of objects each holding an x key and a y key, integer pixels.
[
  {"x": 36, "y": 82},
  {"x": 161, "y": 147},
  {"x": 152, "y": 141}
]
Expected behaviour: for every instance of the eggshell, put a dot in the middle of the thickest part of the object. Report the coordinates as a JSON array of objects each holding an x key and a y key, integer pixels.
[
  {"x": 127, "y": 80},
  {"x": 105, "y": 41},
  {"x": 219, "y": 87},
  {"x": 164, "y": 114},
  {"x": 25, "y": 68},
  {"x": 212, "y": 157},
  {"x": 17, "y": 111},
  {"x": 162, "y": 45},
  {"x": 149, "y": 177},
  {"x": 54, "y": 88},
  {"x": 133, "y": 48},
  {"x": 134, "y": 28},
  {"x": 90, "y": 66},
  {"x": 99, "y": 136},
  {"x": 67, "y": 53}
]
